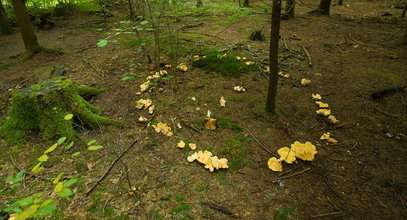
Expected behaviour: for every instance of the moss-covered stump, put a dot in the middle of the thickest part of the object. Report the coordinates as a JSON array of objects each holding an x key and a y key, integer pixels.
[{"x": 41, "y": 108}]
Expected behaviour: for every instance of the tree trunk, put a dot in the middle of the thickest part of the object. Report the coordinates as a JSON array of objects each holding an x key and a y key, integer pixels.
[
  {"x": 246, "y": 3},
  {"x": 290, "y": 8},
  {"x": 324, "y": 7},
  {"x": 4, "y": 23},
  {"x": 404, "y": 11},
  {"x": 198, "y": 3},
  {"x": 131, "y": 9},
  {"x": 27, "y": 32},
  {"x": 273, "y": 57},
  {"x": 340, "y": 2}
]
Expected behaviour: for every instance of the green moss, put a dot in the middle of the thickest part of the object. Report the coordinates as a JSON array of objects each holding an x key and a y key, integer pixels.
[
  {"x": 235, "y": 149},
  {"x": 222, "y": 63},
  {"x": 40, "y": 109}
]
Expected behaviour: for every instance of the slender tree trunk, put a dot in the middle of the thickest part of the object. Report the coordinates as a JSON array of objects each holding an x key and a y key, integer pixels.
[
  {"x": 27, "y": 32},
  {"x": 246, "y": 3},
  {"x": 324, "y": 7},
  {"x": 290, "y": 8},
  {"x": 131, "y": 11},
  {"x": 273, "y": 57},
  {"x": 198, "y": 3},
  {"x": 404, "y": 11},
  {"x": 4, "y": 23},
  {"x": 340, "y": 2}
]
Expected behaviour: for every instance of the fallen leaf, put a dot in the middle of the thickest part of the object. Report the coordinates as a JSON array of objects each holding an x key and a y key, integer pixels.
[
  {"x": 275, "y": 164},
  {"x": 90, "y": 165},
  {"x": 68, "y": 117},
  {"x": 222, "y": 102}
]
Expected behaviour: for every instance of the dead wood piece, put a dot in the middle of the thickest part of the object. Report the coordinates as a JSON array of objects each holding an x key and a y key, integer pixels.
[
  {"x": 187, "y": 124},
  {"x": 256, "y": 36},
  {"x": 261, "y": 145},
  {"x": 220, "y": 209},
  {"x": 326, "y": 215},
  {"x": 308, "y": 55},
  {"x": 350, "y": 36},
  {"x": 294, "y": 174},
  {"x": 109, "y": 169}
]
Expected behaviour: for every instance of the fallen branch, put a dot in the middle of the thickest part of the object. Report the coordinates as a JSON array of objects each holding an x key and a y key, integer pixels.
[
  {"x": 326, "y": 215},
  {"x": 350, "y": 36},
  {"x": 294, "y": 174},
  {"x": 109, "y": 169},
  {"x": 93, "y": 67},
  {"x": 262, "y": 146},
  {"x": 220, "y": 209},
  {"x": 190, "y": 126},
  {"x": 308, "y": 55}
]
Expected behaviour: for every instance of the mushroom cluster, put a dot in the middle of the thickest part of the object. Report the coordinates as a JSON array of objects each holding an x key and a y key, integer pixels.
[{"x": 210, "y": 162}]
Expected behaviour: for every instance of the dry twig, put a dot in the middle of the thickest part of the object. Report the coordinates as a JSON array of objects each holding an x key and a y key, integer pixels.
[
  {"x": 326, "y": 215},
  {"x": 294, "y": 174},
  {"x": 109, "y": 169},
  {"x": 261, "y": 145}
]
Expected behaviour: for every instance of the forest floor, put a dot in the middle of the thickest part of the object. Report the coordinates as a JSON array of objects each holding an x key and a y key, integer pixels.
[{"x": 354, "y": 52}]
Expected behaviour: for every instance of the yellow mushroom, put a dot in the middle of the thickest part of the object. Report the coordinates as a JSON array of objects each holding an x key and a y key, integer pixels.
[
  {"x": 275, "y": 164},
  {"x": 286, "y": 154},
  {"x": 304, "y": 151}
]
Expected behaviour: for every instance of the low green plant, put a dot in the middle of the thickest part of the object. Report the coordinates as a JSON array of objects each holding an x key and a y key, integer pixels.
[
  {"x": 283, "y": 213},
  {"x": 224, "y": 64}
]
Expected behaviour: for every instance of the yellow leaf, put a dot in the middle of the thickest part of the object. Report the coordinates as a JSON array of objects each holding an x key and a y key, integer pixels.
[
  {"x": 68, "y": 117},
  {"x": 35, "y": 169},
  {"x": 58, "y": 187},
  {"x": 52, "y": 148},
  {"x": 43, "y": 158}
]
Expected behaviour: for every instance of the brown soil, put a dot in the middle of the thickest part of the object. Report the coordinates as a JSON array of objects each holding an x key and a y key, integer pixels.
[{"x": 354, "y": 52}]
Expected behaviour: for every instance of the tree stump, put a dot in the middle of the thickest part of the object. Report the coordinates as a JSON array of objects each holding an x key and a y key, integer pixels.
[{"x": 41, "y": 108}]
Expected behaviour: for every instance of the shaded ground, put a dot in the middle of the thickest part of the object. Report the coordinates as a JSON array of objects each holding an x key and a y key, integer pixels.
[{"x": 354, "y": 52}]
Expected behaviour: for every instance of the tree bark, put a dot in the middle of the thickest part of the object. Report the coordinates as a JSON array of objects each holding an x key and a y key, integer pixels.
[
  {"x": 4, "y": 23},
  {"x": 246, "y": 3},
  {"x": 340, "y": 2},
  {"x": 27, "y": 32},
  {"x": 290, "y": 8},
  {"x": 404, "y": 11},
  {"x": 273, "y": 57},
  {"x": 198, "y": 3},
  {"x": 324, "y": 7}
]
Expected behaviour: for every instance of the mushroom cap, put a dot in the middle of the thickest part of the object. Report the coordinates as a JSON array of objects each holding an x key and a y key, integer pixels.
[
  {"x": 316, "y": 96},
  {"x": 304, "y": 151},
  {"x": 275, "y": 164},
  {"x": 322, "y": 104},
  {"x": 324, "y": 111},
  {"x": 181, "y": 144},
  {"x": 286, "y": 154}
]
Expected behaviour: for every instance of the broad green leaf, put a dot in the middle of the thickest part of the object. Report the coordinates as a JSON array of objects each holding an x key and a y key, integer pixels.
[
  {"x": 70, "y": 182},
  {"x": 144, "y": 22},
  {"x": 43, "y": 158},
  {"x": 91, "y": 142},
  {"x": 38, "y": 170},
  {"x": 10, "y": 179},
  {"x": 26, "y": 201},
  {"x": 125, "y": 78},
  {"x": 143, "y": 44},
  {"x": 52, "y": 148},
  {"x": 140, "y": 29},
  {"x": 68, "y": 117},
  {"x": 129, "y": 32},
  {"x": 95, "y": 147},
  {"x": 13, "y": 209},
  {"x": 149, "y": 29},
  {"x": 46, "y": 209},
  {"x": 56, "y": 180},
  {"x": 65, "y": 192},
  {"x": 28, "y": 213},
  {"x": 75, "y": 154},
  {"x": 165, "y": 78},
  {"x": 117, "y": 29},
  {"x": 58, "y": 187},
  {"x": 35, "y": 169},
  {"x": 67, "y": 147},
  {"x": 61, "y": 140},
  {"x": 19, "y": 176},
  {"x": 150, "y": 84},
  {"x": 102, "y": 43},
  {"x": 46, "y": 202}
]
